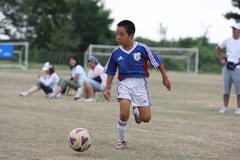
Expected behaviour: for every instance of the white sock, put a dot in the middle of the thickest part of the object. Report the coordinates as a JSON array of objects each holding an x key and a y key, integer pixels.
[{"x": 122, "y": 126}]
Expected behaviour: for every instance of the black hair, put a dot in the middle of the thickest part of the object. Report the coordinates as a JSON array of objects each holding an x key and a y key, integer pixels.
[
  {"x": 75, "y": 58},
  {"x": 128, "y": 25}
]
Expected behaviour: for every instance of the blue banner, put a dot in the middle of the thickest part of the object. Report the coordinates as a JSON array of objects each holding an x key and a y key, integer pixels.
[{"x": 6, "y": 51}]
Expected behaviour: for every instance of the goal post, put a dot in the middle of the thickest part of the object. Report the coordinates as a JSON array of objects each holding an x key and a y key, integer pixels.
[
  {"x": 191, "y": 55},
  {"x": 175, "y": 59},
  {"x": 14, "y": 58}
]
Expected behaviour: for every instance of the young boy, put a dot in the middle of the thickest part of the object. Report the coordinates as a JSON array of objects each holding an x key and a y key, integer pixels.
[{"x": 131, "y": 59}]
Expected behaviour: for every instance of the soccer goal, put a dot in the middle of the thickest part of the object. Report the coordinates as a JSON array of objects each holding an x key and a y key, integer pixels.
[
  {"x": 174, "y": 59},
  {"x": 12, "y": 55}
]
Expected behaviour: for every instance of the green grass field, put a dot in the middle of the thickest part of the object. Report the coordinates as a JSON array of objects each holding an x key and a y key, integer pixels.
[{"x": 185, "y": 122}]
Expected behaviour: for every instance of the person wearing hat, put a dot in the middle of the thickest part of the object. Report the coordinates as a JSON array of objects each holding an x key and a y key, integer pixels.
[
  {"x": 96, "y": 80},
  {"x": 231, "y": 67},
  {"x": 47, "y": 84}
]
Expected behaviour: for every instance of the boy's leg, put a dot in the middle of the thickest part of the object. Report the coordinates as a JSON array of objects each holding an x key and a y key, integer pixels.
[
  {"x": 122, "y": 122},
  {"x": 121, "y": 130},
  {"x": 124, "y": 109},
  {"x": 145, "y": 113}
]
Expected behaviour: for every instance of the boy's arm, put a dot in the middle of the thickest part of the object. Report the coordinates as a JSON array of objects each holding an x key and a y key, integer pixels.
[
  {"x": 166, "y": 81},
  {"x": 107, "y": 93}
]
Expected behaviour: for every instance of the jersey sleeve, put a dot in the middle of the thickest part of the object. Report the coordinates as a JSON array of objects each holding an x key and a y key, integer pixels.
[
  {"x": 111, "y": 66},
  {"x": 153, "y": 58}
]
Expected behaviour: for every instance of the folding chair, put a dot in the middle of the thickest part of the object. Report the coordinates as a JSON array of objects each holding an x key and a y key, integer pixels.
[
  {"x": 99, "y": 95},
  {"x": 69, "y": 91}
]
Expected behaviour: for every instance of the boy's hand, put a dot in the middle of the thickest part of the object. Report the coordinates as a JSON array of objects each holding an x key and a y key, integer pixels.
[
  {"x": 166, "y": 83},
  {"x": 107, "y": 94}
]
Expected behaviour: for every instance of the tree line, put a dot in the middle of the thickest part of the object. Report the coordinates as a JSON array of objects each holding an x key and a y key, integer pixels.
[{"x": 58, "y": 28}]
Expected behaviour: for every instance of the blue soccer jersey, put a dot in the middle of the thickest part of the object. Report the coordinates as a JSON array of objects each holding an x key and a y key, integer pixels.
[{"x": 133, "y": 63}]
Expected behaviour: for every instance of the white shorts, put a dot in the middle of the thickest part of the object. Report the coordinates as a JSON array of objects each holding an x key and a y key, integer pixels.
[{"x": 134, "y": 89}]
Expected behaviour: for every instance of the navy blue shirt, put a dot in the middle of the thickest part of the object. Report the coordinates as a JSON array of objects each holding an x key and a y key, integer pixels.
[{"x": 133, "y": 63}]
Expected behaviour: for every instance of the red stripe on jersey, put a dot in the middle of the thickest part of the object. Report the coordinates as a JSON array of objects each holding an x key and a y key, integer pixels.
[{"x": 145, "y": 63}]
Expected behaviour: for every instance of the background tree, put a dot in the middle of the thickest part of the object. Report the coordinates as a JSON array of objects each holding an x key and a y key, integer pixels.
[
  {"x": 58, "y": 28},
  {"x": 57, "y": 25},
  {"x": 232, "y": 15}
]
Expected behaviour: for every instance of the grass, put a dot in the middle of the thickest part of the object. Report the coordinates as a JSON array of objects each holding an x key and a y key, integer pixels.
[{"x": 185, "y": 122}]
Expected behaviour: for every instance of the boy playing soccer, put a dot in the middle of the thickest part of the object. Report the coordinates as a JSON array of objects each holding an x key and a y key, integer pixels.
[{"x": 131, "y": 60}]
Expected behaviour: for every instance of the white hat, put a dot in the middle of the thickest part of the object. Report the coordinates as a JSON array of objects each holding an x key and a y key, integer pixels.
[
  {"x": 237, "y": 26},
  {"x": 46, "y": 66}
]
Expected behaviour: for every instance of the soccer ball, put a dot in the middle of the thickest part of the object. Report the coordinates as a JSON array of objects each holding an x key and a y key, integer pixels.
[{"x": 80, "y": 139}]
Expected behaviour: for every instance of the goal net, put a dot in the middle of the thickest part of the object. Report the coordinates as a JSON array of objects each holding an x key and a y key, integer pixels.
[
  {"x": 14, "y": 55},
  {"x": 174, "y": 59}
]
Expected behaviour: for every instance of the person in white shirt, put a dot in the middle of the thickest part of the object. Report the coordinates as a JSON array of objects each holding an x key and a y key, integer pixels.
[
  {"x": 96, "y": 80},
  {"x": 231, "y": 67},
  {"x": 47, "y": 84}
]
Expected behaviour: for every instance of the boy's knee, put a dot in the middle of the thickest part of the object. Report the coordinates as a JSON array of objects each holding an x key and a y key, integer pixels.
[
  {"x": 146, "y": 120},
  {"x": 124, "y": 117}
]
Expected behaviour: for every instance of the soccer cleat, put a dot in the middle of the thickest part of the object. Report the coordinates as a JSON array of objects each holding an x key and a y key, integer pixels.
[
  {"x": 51, "y": 96},
  {"x": 90, "y": 100},
  {"x": 237, "y": 111},
  {"x": 25, "y": 94},
  {"x": 121, "y": 144},
  {"x": 136, "y": 115},
  {"x": 223, "y": 110}
]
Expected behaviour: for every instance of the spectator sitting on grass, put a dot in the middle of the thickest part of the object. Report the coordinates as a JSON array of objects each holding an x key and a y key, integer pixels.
[{"x": 47, "y": 84}]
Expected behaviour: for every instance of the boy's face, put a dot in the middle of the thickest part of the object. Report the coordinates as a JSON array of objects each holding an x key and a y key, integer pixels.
[{"x": 122, "y": 36}]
